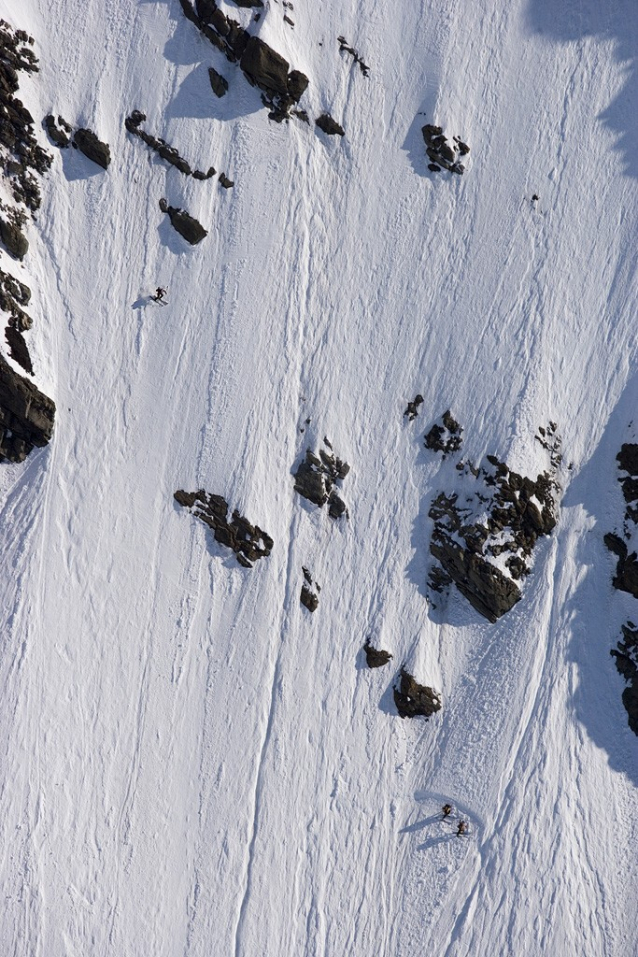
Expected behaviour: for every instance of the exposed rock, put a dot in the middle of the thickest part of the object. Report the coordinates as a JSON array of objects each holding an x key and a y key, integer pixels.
[
  {"x": 626, "y": 657},
  {"x": 249, "y": 3},
  {"x": 499, "y": 513},
  {"x": 309, "y": 598},
  {"x": 264, "y": 67},
  {"x": 20, "y": 153},
  {"x": 249, "y": 542},
  {"x": 58, "y": 135},
  {"x": 218, "y": 82},
  {"x": 18, "y": 349},
  {"x": 413, "y": 700},
  {"x": 14, "y": 295},
  {"x": 376, "y": 657},
  {"x": 297, "y": 84},
  {"x": 413, "y": 407},
  {"x": 626, "y": 577},
  {"x": 343, "y": 46},
  {"x": 486, "y": 588},
  {"x": 225, "y": 182},
  {"x": 92, "y": 147},
  {"x": 315, "y": 480},
  {"x": 14, "y": 239},
  {"x": 326, "y": 123},
  {"x": 445, "y": 437},
  {"x": 26, "y": 415},
  {"x": 168, "y": 153},
  {"x": 185, "y": 224}
]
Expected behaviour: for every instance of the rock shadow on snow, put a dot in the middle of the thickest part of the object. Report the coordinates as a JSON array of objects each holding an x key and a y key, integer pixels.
[
  {"x": 616, "y": 21},
  {"x": 594, "y": 611}
]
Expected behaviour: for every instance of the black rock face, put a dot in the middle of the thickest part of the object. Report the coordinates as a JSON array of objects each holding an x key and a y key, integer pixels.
[
  {"x": 329, "y": 126},
  {"x": 185, "y": 224},
  {"x": 445, "y": 436},
  {"x": 93, "y": 148},
  {"x": 14, "y": 239},
  {"x": 486, "y": 588},
  {"x": 376, "y": 657},
  {"x": 218, "y": 82},
  {"x": 315, "y": 480},
  {"x": 26, "y": 415},
  {"x": 264, "y": 67},
  {"x": 414, "y": 700},
  {"x": 626, "y": 658}
]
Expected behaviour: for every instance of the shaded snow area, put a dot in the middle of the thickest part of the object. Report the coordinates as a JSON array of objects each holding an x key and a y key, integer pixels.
[{"x": 192, "y": 762}]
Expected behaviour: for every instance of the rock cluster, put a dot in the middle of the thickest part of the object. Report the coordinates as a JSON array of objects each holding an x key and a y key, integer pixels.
[
  {"x": 413, "y": 700},
  {"x": 309, "y": 591},
  {"x": 445, "y": 436},
  {"x": 20, "y": 153},
  {"x": 219, "y": 83},
  {"x": 249, "y": 542},
  {"x": 11, "y": 223},
  {"x": 626, "y": 656},
  {"x": 343, "y": 45},
  {"x": 60, "y": 132},
  {"x": 262, "y": 66},
  {"x": 441, "y": 153},
  {"x": 376, "y": 657},
  {"x": 484, "y": 538},
  {"x": 626, "y": 578},
  {"x": 26, "y": 415},
  {"x": 168, "y": 153},
  {"x": 315, "y": 480},
  {"x": 185, "y": 224}
]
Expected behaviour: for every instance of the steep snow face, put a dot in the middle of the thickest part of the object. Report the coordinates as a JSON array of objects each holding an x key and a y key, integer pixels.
[{"x": 191, "y": 762}]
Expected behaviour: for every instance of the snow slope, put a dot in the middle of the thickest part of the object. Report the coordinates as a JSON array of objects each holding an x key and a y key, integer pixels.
[{"x": 191, "y": 763}]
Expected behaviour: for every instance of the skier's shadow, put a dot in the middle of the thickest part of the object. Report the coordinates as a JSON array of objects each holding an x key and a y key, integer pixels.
[
  {"x": 418, "y": 825},
  {"x": 142, "y": 301},
  {"x": 433, "y": 841}
]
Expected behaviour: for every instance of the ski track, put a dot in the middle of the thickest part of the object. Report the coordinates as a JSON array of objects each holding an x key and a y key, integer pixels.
[{"x": 194, "y": 764}]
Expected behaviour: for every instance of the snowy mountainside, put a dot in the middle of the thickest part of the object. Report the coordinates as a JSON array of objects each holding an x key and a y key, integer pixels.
[{"x": 192, "y": 763}]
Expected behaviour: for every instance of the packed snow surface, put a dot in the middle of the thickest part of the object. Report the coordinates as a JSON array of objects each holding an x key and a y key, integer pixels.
[{"x": 191, "y": 763}]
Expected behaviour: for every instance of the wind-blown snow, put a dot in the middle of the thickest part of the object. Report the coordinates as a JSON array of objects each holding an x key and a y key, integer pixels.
[{"x": 191, "y": 763}]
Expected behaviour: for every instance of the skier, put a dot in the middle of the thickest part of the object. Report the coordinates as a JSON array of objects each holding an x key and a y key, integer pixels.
[
  {"x": 159, "y": 294},
  {"x": 462, "y": 828},
  {"x": 447, "y": 810}
]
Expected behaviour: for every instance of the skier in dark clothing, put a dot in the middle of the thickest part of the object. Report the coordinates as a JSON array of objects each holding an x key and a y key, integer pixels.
[
  {"x": 447, "y": 810},
  {"x": 159, "y": 294},
  {"x": 462, "y": 828}
]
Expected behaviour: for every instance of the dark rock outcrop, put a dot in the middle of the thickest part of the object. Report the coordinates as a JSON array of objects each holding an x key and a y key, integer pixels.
[
  {"x": 18, "y": 349},
  {"x": 13, "y": 238},
  {"x": 185, "y": 224},
  {"x": 13, "y": 296},
  {"x": 315, "y": 480},
  {"x": 376, "y": 657},
  {"x": 309, "y": 591},
  {"x": 445, "y": 436},
  {"x": 225, "y": 182},
  {"x": 264, "y": 67},
  {"x": 26, "y": 415},
  {"x": 414, "y": 700},
  {"x": 413, "y": 407},
  {"x": 345, "y": 47},
  {"x": 248, "y": 542},
  {"x": 500, "y": 513},
  {"x": 20, "y": 153},
  {"x": 626, "y": 577},
  {"x": 219, "y": 83},
  {"x": 626, "y": 657},
  {"x": 168, "y": 153},
  {"x": 92, "y": 147},
  {"x": 329, "y": 126},
  {"x": 58, "y": 134}
]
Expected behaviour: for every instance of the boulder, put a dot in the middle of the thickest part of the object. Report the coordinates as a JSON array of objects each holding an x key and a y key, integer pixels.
[
  {"x": 297, "y": 84},
  {"x": 414, "y": 700},
  {"x": 185, "y": 224},
  {"x": 14, "y": 239},
  {"x": 376, "y": 657},
  {"x": 329, "y": 126},
  {"x": 93, "y": 148},
  {"x": 218, "y": 82},
  {"x": 18, "y": 349},
  {"x": 264, "y": 67},
  {"x": 309, "y": 598}
]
